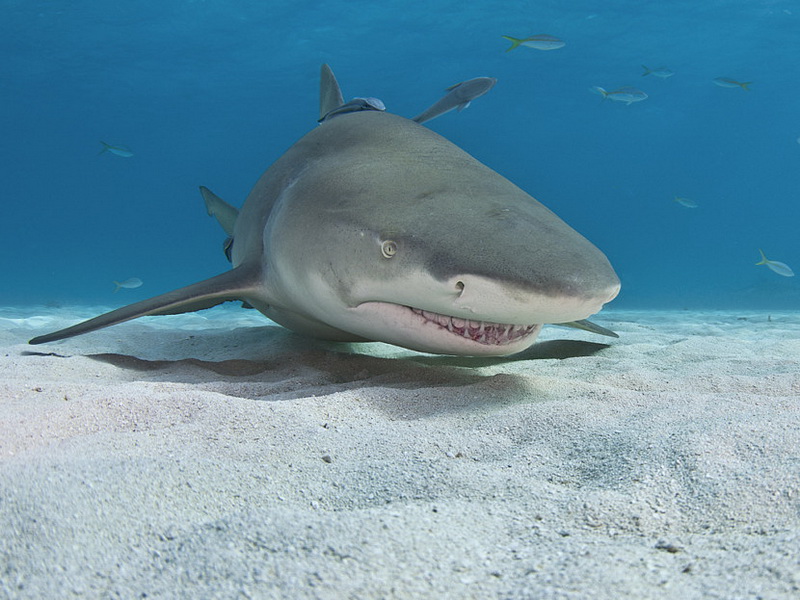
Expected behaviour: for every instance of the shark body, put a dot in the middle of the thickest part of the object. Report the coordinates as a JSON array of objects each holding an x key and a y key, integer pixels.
[{"x": 374, "y": 228}]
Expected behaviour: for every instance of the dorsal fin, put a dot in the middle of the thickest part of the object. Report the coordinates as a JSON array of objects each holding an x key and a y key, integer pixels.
[
  {"x": 221, "y": 210},
  {"x": 231, "y": 285},
  {"x": 330, "y": 95}
]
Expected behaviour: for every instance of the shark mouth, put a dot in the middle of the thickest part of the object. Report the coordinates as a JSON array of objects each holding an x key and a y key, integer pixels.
[{"x": 481, "y": 332}]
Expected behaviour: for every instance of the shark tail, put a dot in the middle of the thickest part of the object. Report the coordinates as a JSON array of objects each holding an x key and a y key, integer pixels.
[{"x": 764, "y": 260}]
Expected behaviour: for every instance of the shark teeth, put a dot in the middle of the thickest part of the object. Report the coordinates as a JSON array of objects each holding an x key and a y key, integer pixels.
[{"x": 482, "y": 332}]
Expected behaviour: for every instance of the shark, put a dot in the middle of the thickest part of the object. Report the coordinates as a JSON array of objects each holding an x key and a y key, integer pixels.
[{"x": 372, "y": 227}]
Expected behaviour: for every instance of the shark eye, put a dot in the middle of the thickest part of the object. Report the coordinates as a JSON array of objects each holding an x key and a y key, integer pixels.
[{"x": 389, "y": 248}]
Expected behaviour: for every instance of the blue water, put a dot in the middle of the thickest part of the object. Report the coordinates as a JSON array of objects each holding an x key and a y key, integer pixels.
[{"x": 211, "y": 92}]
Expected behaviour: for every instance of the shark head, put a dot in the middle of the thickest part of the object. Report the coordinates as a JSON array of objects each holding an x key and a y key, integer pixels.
[
  {"x": 374, "y": 228},
  {"x": 416, "y": 243}
]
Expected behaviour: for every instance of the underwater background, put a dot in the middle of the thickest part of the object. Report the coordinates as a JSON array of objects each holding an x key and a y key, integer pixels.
[{"x": 212, "y": 92}]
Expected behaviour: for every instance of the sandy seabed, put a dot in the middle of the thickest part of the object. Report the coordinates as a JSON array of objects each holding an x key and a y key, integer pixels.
[{"x": 214, "y": 455}]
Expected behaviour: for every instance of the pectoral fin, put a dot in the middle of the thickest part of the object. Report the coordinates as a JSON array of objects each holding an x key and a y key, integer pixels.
[
  {"x": 588, "y": 326},
  {"x": 231, "y": 285}
]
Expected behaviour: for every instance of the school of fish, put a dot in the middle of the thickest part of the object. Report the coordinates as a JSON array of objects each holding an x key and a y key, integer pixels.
[{"x": 628, "y": 95}]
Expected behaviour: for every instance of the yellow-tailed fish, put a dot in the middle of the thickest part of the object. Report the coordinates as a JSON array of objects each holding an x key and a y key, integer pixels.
[
  {"x": 687, "y": 202},
  {"x": 727, "y": 82},
  {"x": 626, "y": 94},
  {"x": 661, "y": 72},
  {"x": 775, "y": 266},
  {"x": 538, "y": 42}
]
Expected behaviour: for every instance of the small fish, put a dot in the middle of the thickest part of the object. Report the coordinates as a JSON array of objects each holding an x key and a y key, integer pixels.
[
  {"x": 626, "y": 94},
  {"x": 459, "y": 96},
  {"x": 731, "y": 83},
  {"x": 688, "y": 203},
  {"x": 775, "y": 266},
  {"x": 118, "y": 150},
  {"x": 538, "y": 42},
  {"x": 129, "y": 284},
  {"x": 661, "y": 72}
]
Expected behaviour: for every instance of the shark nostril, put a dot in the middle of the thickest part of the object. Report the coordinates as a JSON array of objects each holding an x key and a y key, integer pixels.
[{"x": 460, "y": 287}]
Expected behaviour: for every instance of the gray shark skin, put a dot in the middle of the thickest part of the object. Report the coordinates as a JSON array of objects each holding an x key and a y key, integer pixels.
[
  {"x": 374, "y": 228},
  {"x": 459, "y": 96}
]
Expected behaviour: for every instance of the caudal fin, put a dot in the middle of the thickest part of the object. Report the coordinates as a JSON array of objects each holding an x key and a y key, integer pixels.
[{"x": 514, "y": 42}]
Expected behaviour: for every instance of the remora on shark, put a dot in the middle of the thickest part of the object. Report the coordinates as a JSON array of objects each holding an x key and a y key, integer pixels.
[{"x": 374, "y": 228}]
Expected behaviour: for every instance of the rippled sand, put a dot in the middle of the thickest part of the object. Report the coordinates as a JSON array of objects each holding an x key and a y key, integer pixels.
[{"x": 213, "y": 455}]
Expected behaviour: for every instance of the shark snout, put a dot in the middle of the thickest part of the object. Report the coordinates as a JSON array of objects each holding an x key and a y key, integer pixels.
[
  {"x": 611, "y": 292},
  {"x": 511, "y": 302}
]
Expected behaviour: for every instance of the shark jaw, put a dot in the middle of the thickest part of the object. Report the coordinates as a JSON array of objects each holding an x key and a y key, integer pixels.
[
  {"x": 482, "y": 332},
  {"x": 427, "y": 331},
  {"x": 464, "y": 316}
]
